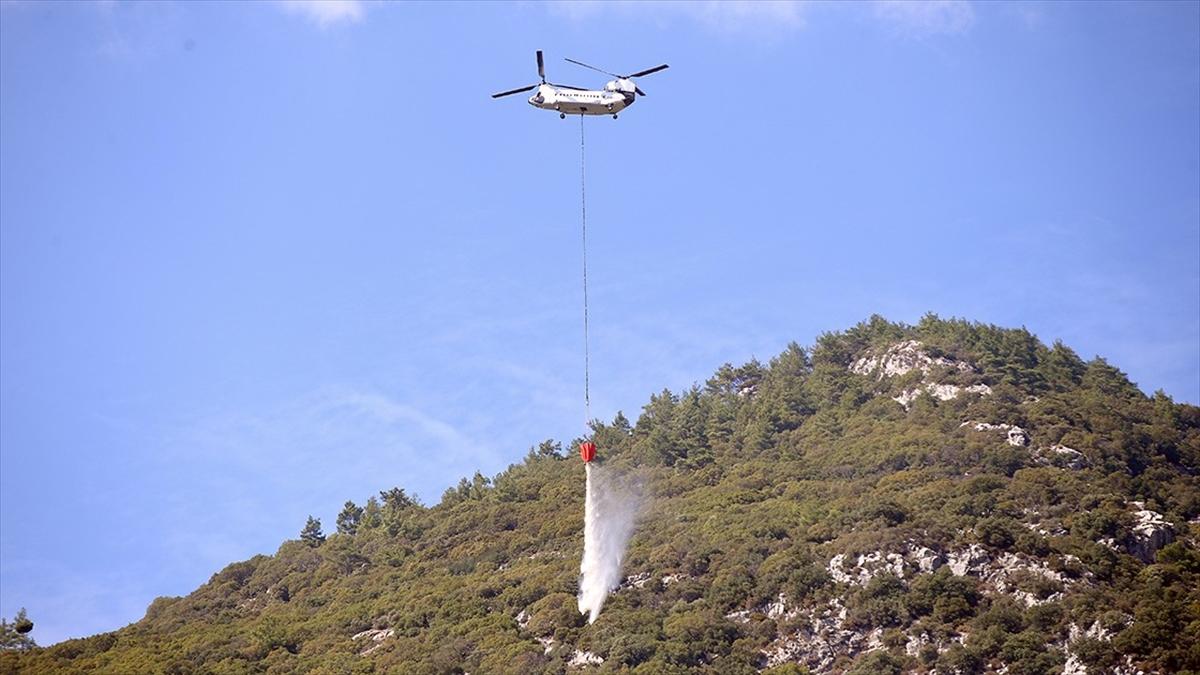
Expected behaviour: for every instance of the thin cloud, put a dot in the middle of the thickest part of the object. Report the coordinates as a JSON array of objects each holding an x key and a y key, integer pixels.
[
  {"x": 1031, "y": 15},
  {"x": 907, "y": 18},
  {"x": 919, "y": 19},
  {"x": 717, "y": 15},
  {"x": 326, "y": 13}
]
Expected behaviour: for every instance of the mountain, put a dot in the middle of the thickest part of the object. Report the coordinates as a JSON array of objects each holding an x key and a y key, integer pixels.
[{"x": 942, "y": 497}]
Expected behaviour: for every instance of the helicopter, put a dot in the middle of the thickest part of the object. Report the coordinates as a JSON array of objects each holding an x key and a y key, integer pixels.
[{"x": 617, "y": 94}]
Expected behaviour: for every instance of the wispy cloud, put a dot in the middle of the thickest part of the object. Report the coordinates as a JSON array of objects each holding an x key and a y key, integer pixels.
[
  {"x": 326, "y": 13},
  {"x": 919, "y": 19},
  {"x": 1030, "y": 14},
  {"x": 718, "y": 15},
  {"x": 343, "y": 434},
  {"x": 907, "y": 18}
]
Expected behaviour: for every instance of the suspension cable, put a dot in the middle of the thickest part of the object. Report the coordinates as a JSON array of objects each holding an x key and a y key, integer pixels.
[{"x": 587, "y": 399}]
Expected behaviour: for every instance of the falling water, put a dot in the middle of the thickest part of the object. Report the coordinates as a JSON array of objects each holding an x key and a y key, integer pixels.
[{"x": 610, "y": 510}]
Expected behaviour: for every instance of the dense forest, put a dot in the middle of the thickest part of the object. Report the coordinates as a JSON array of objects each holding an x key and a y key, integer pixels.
[{"x": 944, "y": 497}]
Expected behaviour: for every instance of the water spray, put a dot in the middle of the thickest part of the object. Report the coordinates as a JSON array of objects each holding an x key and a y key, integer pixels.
[{"x": 610, "y": 511}]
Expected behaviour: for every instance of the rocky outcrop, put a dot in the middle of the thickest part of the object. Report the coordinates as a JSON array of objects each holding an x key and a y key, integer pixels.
[
  {"x": 1151, "y": 531},
  {"x": 1051, "y": 529},
  {"x": 971, "y": 561},
  {"x": 779, "y": 608},
  {"x": 860, "y": 570},
  {"x": 918, "y": 642},
  {"x": 816, "y": 637},
  {"x": 636, "y": 580},
  {"x": 1060, "y": 455},
  {"x": 821, "y": 639},
  {"x": 865, "y": 567},
  {"x": 1015, "y": 435},
  {"x": 580, "y": 658},
  {"x": 1011, "y": 573},
  {"x": 372, "y": 639},
  {"x": 942, "y": 392},
  {"x": 1075, "y": 665},
  {"x": 903, "y": 358}
]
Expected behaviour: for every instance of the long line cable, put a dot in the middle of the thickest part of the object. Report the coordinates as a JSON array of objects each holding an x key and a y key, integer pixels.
[{"x": 587, "y": 398}]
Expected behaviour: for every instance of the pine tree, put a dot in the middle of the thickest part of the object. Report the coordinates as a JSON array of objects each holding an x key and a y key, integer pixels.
[
  {"x": 395, "y": 499},
  {"x": 349, "y": 519},
  {"x": 311, "y": 534},
  {"x": 15, "y": 636},
  {"x": 549, "y": 448}
]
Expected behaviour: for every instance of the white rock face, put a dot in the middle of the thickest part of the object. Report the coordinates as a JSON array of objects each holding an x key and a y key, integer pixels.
[
  {"x": 984, "y": 426},
  {"x": 373, "y": 637},
  {"x": 901, "y": 359},
  {"x": 1000, "y": 574},
  {"x": 1074, "y": 666},
  {"x": 637, "y": 580},
  {"x": 865, "y": 567},
  {"x": 1094, "y": 632},
  {"x": 1016, "y": 436},
  {"x": 779, "y": 609},
  {"x": 1128, "y": 668},
  {"x": 926, "y": 559},
  {"x": 1042, "y": 529},
  {"x": 582, "y": 658},
  {"x": 969, "y": 561},
  {"x": 905, "y": 357},
  {"x": 547, "y": 644},
  {"x": 1151, "y": 532},
  {"x": 914, "y": 644},
  {"x": 740, "y": 616},
  {"x": 917, "y": 642},
  {"x": 860, "y": 570},
  {"x": 1060, "y": 455},
  {"x": 942, "y": 392},
  {"x": 820, "y": 640},
  {"x": 776, "y": 609}
]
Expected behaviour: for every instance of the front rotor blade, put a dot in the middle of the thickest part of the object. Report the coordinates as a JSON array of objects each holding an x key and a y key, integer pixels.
[
  {"x": 655, "y": 69},
  {"x": 541, "y": 66},
  {"x": 639, "y": 91},
  {"x": 581, "y": 63},
  {"x": 514, "y": 91}
]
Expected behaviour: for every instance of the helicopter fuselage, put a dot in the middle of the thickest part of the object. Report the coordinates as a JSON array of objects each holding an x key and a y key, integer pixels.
[
  {"x": 608, "y": 101},
  {"x": 617, "y": 94}
]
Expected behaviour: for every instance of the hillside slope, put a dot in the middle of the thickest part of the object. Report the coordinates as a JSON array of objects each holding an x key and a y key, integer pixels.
[{"x": 948, "y": 496}]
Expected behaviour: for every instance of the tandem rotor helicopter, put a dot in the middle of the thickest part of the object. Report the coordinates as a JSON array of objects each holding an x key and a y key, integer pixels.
[{"x": 617, "y": 94}]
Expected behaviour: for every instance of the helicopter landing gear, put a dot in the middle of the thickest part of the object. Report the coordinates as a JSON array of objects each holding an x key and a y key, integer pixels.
[
  {"x": 614, "y": 116},
  {"x": 562, "y": 116}
]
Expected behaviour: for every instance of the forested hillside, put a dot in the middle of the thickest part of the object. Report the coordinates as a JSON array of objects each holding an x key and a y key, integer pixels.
[{"x": 948, "y": 497}]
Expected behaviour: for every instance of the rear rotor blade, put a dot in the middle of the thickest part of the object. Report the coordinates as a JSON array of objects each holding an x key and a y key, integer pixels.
[
  {"x": 514, "y": 91},
  {"x": 581, "y": 63},
  {"x": 639, "y": 91},
  {"x": 541, "y": 66},
  {"x": 655, "y": 69}
]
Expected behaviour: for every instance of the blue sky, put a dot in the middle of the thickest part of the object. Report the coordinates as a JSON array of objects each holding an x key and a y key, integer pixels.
[{"x": 261, "y": 258}]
